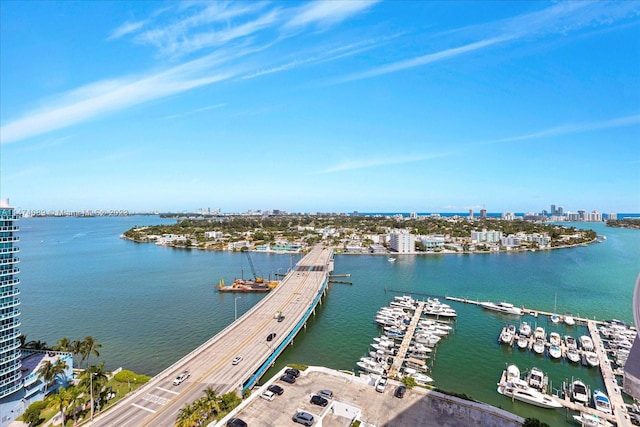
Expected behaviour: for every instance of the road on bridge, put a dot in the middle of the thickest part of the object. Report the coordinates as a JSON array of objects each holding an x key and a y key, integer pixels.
[{"x": 158, "y": 402}]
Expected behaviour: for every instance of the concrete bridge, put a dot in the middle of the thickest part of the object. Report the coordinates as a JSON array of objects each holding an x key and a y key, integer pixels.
[{"x": 212, "y": 364}]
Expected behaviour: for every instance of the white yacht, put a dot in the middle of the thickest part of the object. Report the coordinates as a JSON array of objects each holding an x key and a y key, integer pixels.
[
  {"x": 538, "y": 346},
  {"x": 573, "y": 355},
  {"x": 601, "y": 402},
  {"x": 517, "y": 388},
  {"x": 579, "y": 392},
  {"x": 523, "y": 342},
  {"x": 569, "y": 320},
  {"x": 592, "y": 358},
  {"x": 589, "y": 420},
  {"x": 502, "y": 307},
  {"x": 537, "y": 379},
  {"x": 555, "y": 352},
  {"x": 586, "y": 343},
  {"x": 420, "y": 377},
  {"x": 525, "y": 329},
  {"x": 540, "y": 333},
  {"x": 555, "y": 339},
  {"x": 507, "y": 335},
  {"x": 570, "y": 342}
]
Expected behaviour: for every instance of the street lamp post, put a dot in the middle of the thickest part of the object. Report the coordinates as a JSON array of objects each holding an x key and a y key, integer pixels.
[
  {"x": 91, "y": 392},
  {"x": 235, "y": 307}
]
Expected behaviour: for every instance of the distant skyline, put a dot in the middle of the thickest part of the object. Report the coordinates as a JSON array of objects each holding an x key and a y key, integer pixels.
[{"x": 320, "y": 106}]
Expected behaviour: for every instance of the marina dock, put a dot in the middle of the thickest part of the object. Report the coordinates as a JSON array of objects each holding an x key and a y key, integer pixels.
[
  {"x": 406, "y": 341},
  {"x": 620, "y": 416}
]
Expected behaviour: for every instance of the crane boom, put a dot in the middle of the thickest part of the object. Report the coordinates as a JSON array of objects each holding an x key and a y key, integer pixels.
[{"x": 253, "y": 269}]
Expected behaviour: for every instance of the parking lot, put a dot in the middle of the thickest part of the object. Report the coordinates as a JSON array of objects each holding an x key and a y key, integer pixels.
[{"x": 356, "y": 397}]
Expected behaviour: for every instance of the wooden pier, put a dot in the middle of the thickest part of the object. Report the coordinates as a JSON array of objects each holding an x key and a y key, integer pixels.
[{"x": 406, "y": 341}]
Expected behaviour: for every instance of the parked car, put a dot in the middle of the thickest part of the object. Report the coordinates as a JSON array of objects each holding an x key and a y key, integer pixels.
[
  {"x": 400, "y": 391},
  {"x": 236, "y": 360},
  {"x": 271, "y": 336},
  {"x": 288, "y": 379},
  {"x": 293, "y": 372},
  {"x": 236, "y": 422},
  {"x": 268, "y": 395},
  {"x": 276, "y": 389},
  {"x": 327, "y": 394},
  {"x": 318, "y": 400},
  {"x": 280, "y": 318},
  {"x": 303, "y": 418},
  {"x": 381, "y": 385},
  {"x": 180, "y": 378}
]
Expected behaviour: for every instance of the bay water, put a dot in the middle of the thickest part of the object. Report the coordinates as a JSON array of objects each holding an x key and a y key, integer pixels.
[{"x": 150, "y": 305}]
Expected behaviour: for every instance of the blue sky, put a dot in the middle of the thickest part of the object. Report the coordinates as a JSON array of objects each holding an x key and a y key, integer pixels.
[{"x": 320, "y": 106}]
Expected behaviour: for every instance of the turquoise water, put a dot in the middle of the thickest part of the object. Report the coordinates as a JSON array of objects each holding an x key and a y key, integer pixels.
[{"x": 150, "y": 305}]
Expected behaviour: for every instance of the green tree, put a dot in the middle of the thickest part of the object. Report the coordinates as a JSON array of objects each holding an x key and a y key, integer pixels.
[
  {"x": 89, "y": 346},
  {"x": 187, "y": 416},
  {"x": 76, "y": 349},
  {"x": 63, "y": 344},
  {"x": 93, "y": 380},
  {"x": 62, "y": 399},
  {"x": 32, "y": 414},
  {"x": 50, "y": 371}
]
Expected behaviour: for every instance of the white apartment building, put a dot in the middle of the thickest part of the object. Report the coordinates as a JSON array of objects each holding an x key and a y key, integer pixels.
[
  {"x": 486, "y": 236},
  {"x": 432, "y": 242},
  {"x": 402, "y": 242}
]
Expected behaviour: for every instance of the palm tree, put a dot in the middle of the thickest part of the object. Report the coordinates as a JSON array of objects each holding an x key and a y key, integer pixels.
[
  {"x": 23, "y": 339},
  {"x": 76, "y": 349},
  {"x": 211, "y": 397},
  {"x": 49, "y": 371},
  {"x": 93, "y": 379},
  {"x": 89, "y": 346},
  {"x": 62, "y": 399},
  {"x": 186, "y": 416},
  {"x": 64, "y": 344},
  {"x": 36, "y": 345}
]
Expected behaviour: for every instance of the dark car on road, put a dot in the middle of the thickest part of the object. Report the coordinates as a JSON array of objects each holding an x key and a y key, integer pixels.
[
  {"x": 276, "y": 389},
  {"x": 288, "y": 379},
  {"x": 303, "y": 418},
  {"x": 319, "y": 400},
  {"x": 271, "y": 336},
  {"x": 400, "y": 391},
  {"x": 293, "y": 372},
  {"x": 236, "y": 422}
]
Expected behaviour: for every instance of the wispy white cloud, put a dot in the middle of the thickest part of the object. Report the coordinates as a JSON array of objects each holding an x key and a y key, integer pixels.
[
  {"x": 560, "y": 19},
  {"x": 424, "y": 59},
  {"x": 126, "y": 28},
  {"x": 326, "y": 13},
  {"x": 210, "y": 25},
  {"x": 109, "y": 96},
  {"x": 572, "y": 128},
  {"x": 196, "y": 111},
  {"x": 379, "y": 161}
]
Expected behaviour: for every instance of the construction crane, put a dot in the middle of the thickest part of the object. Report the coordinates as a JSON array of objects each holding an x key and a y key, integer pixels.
[{"x": 253, "y": 269}]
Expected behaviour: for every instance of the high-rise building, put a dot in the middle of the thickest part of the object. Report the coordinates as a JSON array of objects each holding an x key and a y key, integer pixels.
[
  {"x": 483, "y": 213},
  {"x": 10, "y": 375},
  {"x": 553, "y": 210}
]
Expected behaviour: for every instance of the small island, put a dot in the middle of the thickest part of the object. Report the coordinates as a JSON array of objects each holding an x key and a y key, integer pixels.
[
  {"x": 624, "y": 223},
  {"x": 360, "y": 234}
]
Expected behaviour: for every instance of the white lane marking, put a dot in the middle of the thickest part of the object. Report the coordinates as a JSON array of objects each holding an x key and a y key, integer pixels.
[
  {"x": 142, "y": 407},
  {"x": 153, "y": 398},
  {"x": 167, "y": 390}
]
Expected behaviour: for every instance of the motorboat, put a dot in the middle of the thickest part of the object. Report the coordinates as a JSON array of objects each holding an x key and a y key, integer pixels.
[
  {"x": 537, "y": 379},
  {"x": 517, "y": 388},
  {"x": 590, "y": 420},
  {"x": 555, "y": 339},
  {"x": 523, "y": 342},
  {"x": 507, "y": 335},
  {"x": 554, "y": 318},
  {"x": 586, "y": 343},
  {"x": 439, "y": 311},
  {"x": 538, "y": 346},
  {"x": 420, "y": 377},
  {"x": 579, "y": 392},
  {"x": 601, "y": 402},
  {"x": 524, "y": 329},
  {"x": 569, "y": 320},
  {"x": 591, "y": 358},
  {"x": 555, "y": 352},
  {"x": 570, "y": 342},
  {"x": 502, "y": 307},
  {"x": 573, "y": 355},
  {"x": 540, "y": 333}
]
